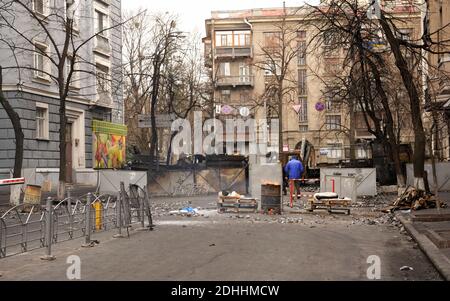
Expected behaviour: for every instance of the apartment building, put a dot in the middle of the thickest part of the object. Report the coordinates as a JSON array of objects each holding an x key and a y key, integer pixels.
[
  {"x": 236, "y": 42},
  {"x": 437, "y": 80},
  {"x": 94, "y": 104}
]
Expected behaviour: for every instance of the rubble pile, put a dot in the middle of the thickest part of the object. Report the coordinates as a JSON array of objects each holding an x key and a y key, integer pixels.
[
  {"x": 309, "y": 188},
  {"x": 414, "y": 199},
  {"x": 164, "y": 208}
]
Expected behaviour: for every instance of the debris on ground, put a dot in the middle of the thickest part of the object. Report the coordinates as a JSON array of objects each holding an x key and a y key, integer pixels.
[
  {"x": 406, "y": 268},
  {"x": 290, "y": 220},
  {"x": 414, "y": 199},
  {"x": 186, "y": 211}
]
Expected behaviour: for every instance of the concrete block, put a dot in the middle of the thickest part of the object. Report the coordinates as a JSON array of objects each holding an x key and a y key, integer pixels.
[{"x": 365, "y": 179}]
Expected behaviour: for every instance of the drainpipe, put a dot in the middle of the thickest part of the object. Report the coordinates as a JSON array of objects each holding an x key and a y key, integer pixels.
[{"x": 248, "y": 23}]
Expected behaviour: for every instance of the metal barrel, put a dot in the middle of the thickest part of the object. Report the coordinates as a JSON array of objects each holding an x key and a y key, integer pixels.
[{"x": 271, "y": 198}]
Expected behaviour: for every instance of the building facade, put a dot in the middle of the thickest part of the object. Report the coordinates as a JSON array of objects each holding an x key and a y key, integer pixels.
[
  {"x": 95, "y": 89},
  {"x": 236, "y": 42},
  {"x": 437, "y": 80}
]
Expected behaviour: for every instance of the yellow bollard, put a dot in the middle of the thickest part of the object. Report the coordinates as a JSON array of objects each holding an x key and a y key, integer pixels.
[{"x": 98, "y": 215}]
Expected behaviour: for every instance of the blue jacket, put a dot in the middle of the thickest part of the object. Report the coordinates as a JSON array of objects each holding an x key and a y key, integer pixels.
[{"x": 294, "y": 169}]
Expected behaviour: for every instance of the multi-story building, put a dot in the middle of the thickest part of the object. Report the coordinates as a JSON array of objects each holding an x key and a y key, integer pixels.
[
  {"x": 437, "y": 82},
  {"x": 95, "y": 103},
  {"x": 237, "y": 41}
]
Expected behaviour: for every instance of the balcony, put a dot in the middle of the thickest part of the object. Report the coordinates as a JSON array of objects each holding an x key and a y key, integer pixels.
[
  {"x": 234, "y": 81},
  {"x": 233, "y": 52},
  {"x": 102, "y": 45}
]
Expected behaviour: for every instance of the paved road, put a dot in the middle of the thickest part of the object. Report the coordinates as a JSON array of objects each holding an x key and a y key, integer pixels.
[{"x": 184, "y": 248}]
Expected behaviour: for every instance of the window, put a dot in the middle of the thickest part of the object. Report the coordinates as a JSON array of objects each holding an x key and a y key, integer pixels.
[
  {"x": 40, "y": 6},
  {"x": 101, "y": 23},
  {"x": 271, "y": 67},
  {"x": 41, "y": 66},
  {"x": 334, "y": 151},
  {"x": 224, "y": 38},
  {"x": 303, "y": 128},
  {"x": 271, "y": 39},
  {"x": 301, "y": 34},
  {"x": 225, "y": 96},
  {"x": 244, "y": 73},
  {"x": 103, "y": 80},
  {"x": 224, "y": 69},
  {"x": 242, "y": 38},
  {"x": 42, "y": 121},
  {"x": 333, "y": 66},
  {"x": 303, "y": 111},
  {"x": 333, "y": 122},
  {"x": 332, "y": 105},
  {"x": 244, "y": 97},
  {"x": 301, "y": 53},
  {"x": 302, "y": 87}
]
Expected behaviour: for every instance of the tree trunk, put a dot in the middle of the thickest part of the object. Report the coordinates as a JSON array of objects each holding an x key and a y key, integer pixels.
[
  {"x": 280, "y": 118},
  {"x": 62, "y": 144},
  {"x": 18, "y": 133},
  {"x": 414, "y": 101},
  {"x": 351, "y": 134},
  {"x": 169, "y": 149}
]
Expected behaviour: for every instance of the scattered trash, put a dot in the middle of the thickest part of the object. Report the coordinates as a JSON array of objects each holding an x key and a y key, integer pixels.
[
  {"x": 406, "y": 268},
  {"x": 188, "y": 211}
]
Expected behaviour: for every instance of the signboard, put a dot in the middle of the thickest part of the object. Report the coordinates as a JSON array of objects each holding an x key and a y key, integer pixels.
[
  {"x": 226, "y": 109},
  {"x": 285, "y": 148},
  {"x": 244, "y": 111},
  {"x": 109, "y": 144},
  {"x": 32, "y": 195},
  {"x": 161, "y": 120},
  {"x": 320, "y": 106}
]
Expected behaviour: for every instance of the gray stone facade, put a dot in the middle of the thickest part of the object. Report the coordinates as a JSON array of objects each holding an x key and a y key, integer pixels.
[{"x": 39, "y": 153}]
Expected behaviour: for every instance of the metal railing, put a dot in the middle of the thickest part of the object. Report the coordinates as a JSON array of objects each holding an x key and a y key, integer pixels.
[
  {"x": 230, "y": 51},
  {"x": 25, "y": 227},
  {"x": 241, "y": 80}
]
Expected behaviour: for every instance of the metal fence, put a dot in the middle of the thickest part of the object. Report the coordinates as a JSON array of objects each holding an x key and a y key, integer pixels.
[{"x": 28, "y": 227}]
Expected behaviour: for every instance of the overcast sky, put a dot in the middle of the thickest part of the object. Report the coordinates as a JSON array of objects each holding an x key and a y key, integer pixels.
[{"x": 192, "y": 13}]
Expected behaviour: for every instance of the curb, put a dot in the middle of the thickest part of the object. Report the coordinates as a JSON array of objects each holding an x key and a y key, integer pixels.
[{"x": 440, "y": 261}]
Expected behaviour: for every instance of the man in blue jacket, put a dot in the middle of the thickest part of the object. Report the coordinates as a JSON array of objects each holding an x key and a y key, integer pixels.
[{"x": 294, "y": 171}]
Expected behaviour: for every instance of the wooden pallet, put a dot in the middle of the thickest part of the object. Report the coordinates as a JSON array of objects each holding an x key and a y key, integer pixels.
[
  {"x": 236, "y": 204},
  {"x": 330, "y": 204}
]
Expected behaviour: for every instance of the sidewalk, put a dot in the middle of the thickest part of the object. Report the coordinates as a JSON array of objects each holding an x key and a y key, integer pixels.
[{"x": 431, "y": 230}]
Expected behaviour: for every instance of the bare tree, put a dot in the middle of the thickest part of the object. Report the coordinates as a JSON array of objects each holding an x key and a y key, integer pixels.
[
  {"x": 18, "y": 132},
  {"x": 279, "y": 50},
  {"x": 66, "y": 55},
  {"x": 371, "y": 68},
  {"x": 164, "y": 75}
]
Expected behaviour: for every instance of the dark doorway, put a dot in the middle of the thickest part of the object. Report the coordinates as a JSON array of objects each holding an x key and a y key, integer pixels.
[{"x": 69, "y": 152}]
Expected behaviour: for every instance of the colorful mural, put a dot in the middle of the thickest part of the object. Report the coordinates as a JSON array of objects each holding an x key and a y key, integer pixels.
[{"x": 109, "y": 144}]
